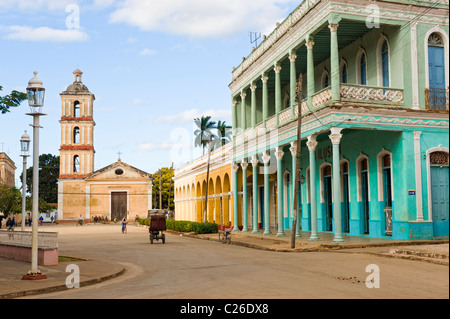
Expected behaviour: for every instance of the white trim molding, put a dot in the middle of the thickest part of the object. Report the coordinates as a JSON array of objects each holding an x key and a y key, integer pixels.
[
  {"x": 439, "y": 148},
  {"x": 359, "y": 159},
  {"x": 418, "y": 173},
  {"x": 444, "y": 36},
  {"x": 380, "y": 156}
]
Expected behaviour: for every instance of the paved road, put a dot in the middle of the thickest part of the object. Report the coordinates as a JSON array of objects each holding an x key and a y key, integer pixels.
[{"x": 187, "y": 268}]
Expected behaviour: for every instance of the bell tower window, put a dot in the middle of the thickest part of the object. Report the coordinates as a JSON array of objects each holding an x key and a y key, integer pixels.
[
  {"x": 76, "y": 135},
  {"x": 76, "y": 164},
  {"x": 76, "y": 109}
]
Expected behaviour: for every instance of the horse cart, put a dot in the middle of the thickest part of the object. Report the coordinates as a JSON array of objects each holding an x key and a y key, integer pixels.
[{"x": 157, "y": 225}]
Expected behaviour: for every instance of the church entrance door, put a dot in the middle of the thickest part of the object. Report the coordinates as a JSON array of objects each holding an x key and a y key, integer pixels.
[{"x": 118, "y": 205}]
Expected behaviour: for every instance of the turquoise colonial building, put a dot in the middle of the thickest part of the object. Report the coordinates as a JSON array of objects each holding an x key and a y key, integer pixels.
[{"x": 375, "y": 122}]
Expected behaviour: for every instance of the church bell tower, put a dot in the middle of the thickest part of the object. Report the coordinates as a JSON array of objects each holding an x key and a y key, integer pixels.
[{"x": 77, "y": 130}]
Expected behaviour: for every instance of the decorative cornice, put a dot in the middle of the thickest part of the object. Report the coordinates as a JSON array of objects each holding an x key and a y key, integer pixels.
[
  {"x": 77, "y": 147},
  {"x": 81, "y": 176},
  {"x": 77, "y": 119}
]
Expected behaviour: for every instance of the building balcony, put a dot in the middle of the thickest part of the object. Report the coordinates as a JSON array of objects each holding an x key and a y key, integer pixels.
[{"x": 350, "y": 95}]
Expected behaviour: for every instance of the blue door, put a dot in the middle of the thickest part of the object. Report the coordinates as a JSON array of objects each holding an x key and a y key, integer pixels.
[
  {"x": 387, "y": 193},
  {"x": 363, "y": 70},
  {"x": 346, "y": 202},
  {"x": 261, "y": 211},
  {"x": 436, "y": 72},
  {"x": 288, "y": 208},
  {"x": 440, "y": 199},
  {"x": 328, "y": 201},
  {"x": 365, "y": 201},
  {"x": 385, "y": 64}
]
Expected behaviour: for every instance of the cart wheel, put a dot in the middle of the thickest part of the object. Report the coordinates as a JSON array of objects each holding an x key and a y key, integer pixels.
[
  {"x": 151, "y": 239},
  {"x": 163, "y": 237}
]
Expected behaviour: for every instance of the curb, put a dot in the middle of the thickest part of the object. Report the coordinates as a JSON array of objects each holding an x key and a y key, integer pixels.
[{"x": 56, "y": 288}]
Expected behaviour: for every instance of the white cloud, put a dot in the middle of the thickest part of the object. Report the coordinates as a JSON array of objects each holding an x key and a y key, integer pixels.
[
  {"x": 202, "y": 18},
  {"x": 147, "y": 51},
  {"x": 34, "y": 5},
  {"x": 190, "y": 115},
  {"x": 151, "y": 146},
  {"x": 44, "y": 34}
]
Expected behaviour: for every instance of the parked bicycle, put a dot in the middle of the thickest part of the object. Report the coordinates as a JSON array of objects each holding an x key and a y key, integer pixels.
[{"x": 225, "y": 236}]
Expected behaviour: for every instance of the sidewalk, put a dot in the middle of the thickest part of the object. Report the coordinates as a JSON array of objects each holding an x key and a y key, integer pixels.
[{"x": 93, "y": 271}]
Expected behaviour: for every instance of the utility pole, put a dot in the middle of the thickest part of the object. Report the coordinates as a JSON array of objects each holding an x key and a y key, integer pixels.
[{"x": 297, "y": 169}]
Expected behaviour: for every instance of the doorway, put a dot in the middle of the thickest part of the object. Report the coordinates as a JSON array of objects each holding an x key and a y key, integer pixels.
[
  {"x": 328, "y": 198},
  {"x": 119, "y": 204}
]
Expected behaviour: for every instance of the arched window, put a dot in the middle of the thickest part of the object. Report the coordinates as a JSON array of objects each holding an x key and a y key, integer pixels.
[
  {"x": 436, "y": 95},
  {"x": 76, "y": 135},
  {"x": 385, "y": 63},
  {"x": 76, "y": 109},
  {"x": 76, "y": 164},
  {"x": 363, "y": 69}
]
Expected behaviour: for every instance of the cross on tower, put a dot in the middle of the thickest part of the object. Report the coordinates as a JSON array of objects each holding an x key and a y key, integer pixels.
[{"x": 119, "y": 154}]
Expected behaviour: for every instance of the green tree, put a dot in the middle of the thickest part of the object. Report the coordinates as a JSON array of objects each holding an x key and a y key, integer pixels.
[
  {"x": 224, "y": 133},
  {"x": 12, "y": 100},
  {"x": 10, "y": 200},
  {"x": 167, "y": 188},
  {"x": 48, "y": 178},
  {"x": 204, "y": 133}
]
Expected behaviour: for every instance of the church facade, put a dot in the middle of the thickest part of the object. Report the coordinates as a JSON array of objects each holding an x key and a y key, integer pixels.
[{"x": 115, "y": 191}]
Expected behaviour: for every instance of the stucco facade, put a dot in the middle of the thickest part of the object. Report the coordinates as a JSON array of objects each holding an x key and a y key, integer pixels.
[
  {"x": 7, "y": 170},
  {"x": 374, "y": 135}
]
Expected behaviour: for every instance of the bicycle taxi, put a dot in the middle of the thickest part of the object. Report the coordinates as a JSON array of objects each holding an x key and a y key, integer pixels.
[{"x": 157, "y": 226}]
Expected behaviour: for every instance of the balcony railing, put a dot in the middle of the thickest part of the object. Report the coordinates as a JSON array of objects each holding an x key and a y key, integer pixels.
[
  {"x": 436, "y": 99},
  {"x": 362, "y": 93},
  {"x": 350, "y": 93}
]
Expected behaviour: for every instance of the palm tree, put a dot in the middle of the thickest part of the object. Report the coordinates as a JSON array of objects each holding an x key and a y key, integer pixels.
[
  {"x": 224, "y": 132},
  {"x": 203, "y": 134}
]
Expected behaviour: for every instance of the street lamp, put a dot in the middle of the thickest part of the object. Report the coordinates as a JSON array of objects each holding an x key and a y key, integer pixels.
[
  {"x": 25, "y": 152},
  {"x": 36, "y": 94}
]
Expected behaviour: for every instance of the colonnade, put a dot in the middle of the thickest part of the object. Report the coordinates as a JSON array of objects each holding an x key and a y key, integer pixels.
[{"x": 335, "y": 137}]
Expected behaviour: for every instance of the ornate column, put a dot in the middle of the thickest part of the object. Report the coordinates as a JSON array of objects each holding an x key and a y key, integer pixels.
[
  {"x": 278, "y": 100},
  {"x": 310, "y": 73},
  {"x": 234, "y": 168},
  {"x": 243, "y": 111},
  {"x": 280, "y": 196},
  {"x": 244, "y": 166},
  {"x": 417, "y": 168},
  {"x": 253, "y": 88},
  {"x": 293, "y": 150},
  {"x": 266, "y": 160},
  {"x": 265, "y": 102},
  {"x": 334, "y": 61},
  {"x": 234, "y": 116},
  {"x": 255, "y": 194},
  {"x": 335, "y": 138},
  {"x": 312, "y": 144},
  {"x": 293, "y": 84}
]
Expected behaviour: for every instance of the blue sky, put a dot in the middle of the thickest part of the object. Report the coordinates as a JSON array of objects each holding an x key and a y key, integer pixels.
[{"x": 153, "y": 65}]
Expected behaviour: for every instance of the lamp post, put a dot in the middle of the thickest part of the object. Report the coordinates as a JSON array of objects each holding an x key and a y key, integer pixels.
[
  {"x": 36, "y": 93},
  {"x": 24, "y": 148}
]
